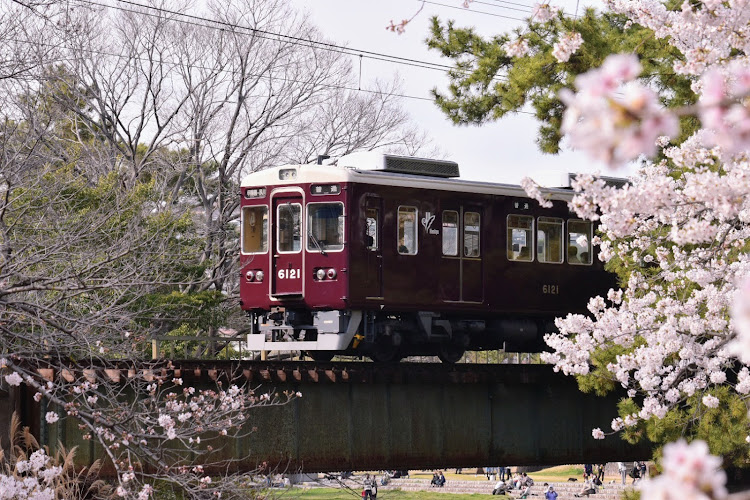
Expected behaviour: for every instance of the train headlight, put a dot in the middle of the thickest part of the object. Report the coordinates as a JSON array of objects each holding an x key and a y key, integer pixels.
[
  {"x": 320, "y": 274},
  {"x": 287, "y": 174},
  {"x": 331, "y": 274},
  {"x": 259, "y": 276},
  {"x": 250, "y": 275}
]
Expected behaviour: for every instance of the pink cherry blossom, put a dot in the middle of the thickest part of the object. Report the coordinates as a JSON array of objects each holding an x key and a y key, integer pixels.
[
  {"x": 693, "y": 465},
  {"x": 567, "y": 46},
  {"x": 533, "y": 191},
  {"x": 710, "y": 401},
  {"x": 543, "y": 12},
  {"x": 741, "y": 321},
  {"x": 14, "y": 379},
  {"x": 612, "y": 117},
  {"x": 517, "y": 48}
]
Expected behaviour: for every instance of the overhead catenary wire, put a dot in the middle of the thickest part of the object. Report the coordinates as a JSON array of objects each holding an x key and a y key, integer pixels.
[
  {"x": 527, "y": 8},
  {"x": 224, "y": 70},
  {"x": 520, "y": 7},
  {"x": 295, "y": 40},
  {"x": 193, "y": 19},
  {"x": 289, "y": 80},
  {"x": 473, "y": 10},
  {"x": 325, "y": 85},
  {"x": 527, "y": 5}
]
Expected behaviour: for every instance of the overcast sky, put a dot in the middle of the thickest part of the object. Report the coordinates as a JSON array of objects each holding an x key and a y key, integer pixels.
[{"x": 503, "y": 151}]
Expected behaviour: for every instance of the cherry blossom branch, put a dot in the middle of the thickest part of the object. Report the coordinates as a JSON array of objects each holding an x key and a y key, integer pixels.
[{"x": 401, "y": 26}]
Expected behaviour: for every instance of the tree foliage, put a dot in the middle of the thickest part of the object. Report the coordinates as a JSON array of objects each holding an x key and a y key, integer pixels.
[
  {"x": 487, "y": 83},
  {"x": 676, "y": 236},
  {"x": 124, "y": 134}
]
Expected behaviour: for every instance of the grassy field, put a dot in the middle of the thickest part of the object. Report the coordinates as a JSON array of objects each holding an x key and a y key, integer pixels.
[
  {"x": 336, "y": 494},
  {"x": 559, "y": 473}
]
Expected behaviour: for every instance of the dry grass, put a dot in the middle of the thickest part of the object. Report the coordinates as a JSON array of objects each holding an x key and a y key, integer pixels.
[{"x": 71, "y": 484}]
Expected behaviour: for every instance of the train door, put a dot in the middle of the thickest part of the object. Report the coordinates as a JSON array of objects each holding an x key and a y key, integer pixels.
[
  {"x": 450, "y": 261},
  {"x": 374, "y": 247},
  {"x": 287, "y": 266},
  {"x": 472, "y": 287},
  {"x": 461, "y": 261}
]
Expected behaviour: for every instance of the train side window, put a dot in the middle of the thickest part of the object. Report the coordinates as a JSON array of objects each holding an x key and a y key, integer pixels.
[
  {"x": 289, "y": 228},
  {"x": 450, "y": 232},
  {"x": 371, "y": 229},
  {"x": 325, "y": 227},
  {"x": 255, "y": 229},
  {"x": 471, "y": 234},
  {"x": 579, "y": 242},
  {"x": 520, "y": 238},
  {"x": 549, "y": 240},
  {"x": 407, "y": 230}
]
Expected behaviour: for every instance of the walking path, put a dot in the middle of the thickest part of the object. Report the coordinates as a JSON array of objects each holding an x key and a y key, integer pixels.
[{"x": 565, "y": 490}]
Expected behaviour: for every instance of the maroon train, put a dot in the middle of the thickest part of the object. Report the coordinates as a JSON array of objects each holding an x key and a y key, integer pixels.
[{"x": 388, "y": 256}]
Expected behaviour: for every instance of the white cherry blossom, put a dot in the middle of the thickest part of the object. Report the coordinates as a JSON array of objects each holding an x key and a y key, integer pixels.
[
  {"x": 517, "y": 48},
  {"x": 14, "y": 379},
  {"x": 543, "y": 12},
  {"x": 567, "y": 46}
]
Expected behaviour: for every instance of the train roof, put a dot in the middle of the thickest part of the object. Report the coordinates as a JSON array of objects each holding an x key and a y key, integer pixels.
[{"x": 360, "y": 173}]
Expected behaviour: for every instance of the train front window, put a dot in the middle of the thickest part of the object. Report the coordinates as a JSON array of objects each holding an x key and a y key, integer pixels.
[
  {"x": 549, "y": 240},
  {"x": 471, "y": 234},
  {"x": 579, "y": 242},
  {"x": 520, "y": 238},
  {"x": 407, "y": 230},
  {"x": 255, "y": 229},
  {"x": 289, "y": 228},
  {"x": 450, "y": 232},
  {"x": 325, "y": 227}
]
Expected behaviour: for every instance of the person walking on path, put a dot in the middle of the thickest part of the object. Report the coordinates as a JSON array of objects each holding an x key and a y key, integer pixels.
[
  {"x": 623, "y": 470},
  {"x": 600, "y": 472},
  {"x": 636, "y": 472},
  {"x": 643, "y": 469}
]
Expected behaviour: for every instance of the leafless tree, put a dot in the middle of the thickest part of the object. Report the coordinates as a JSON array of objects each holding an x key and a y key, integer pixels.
[
  {"x": 227, "y": 94},
  {"x": 351, "y": 120},
  {"x": 78, "y": 257},
  {"x": 124, "y": 134},
  {"x": 19, "y": 26}
]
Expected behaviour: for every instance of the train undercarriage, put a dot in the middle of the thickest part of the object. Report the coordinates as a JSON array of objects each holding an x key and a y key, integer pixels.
[{"x": 387, "y": 336}]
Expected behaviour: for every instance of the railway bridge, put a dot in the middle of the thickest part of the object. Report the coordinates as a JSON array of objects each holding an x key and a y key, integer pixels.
[{"x": 366, "y": 416}]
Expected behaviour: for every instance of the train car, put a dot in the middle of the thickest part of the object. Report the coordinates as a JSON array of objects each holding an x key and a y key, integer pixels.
[{"x": 388, "y": 256}]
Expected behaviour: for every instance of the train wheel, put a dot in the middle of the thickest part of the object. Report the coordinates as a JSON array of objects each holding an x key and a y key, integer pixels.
[
  {"x": 321, "y": 356},
  {"x": 450, "y": 353},
  {"x": 385, "y": 352}
]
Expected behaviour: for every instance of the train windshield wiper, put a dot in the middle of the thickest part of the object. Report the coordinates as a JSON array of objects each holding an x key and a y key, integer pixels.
[{"x": 317, "y": 243}]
